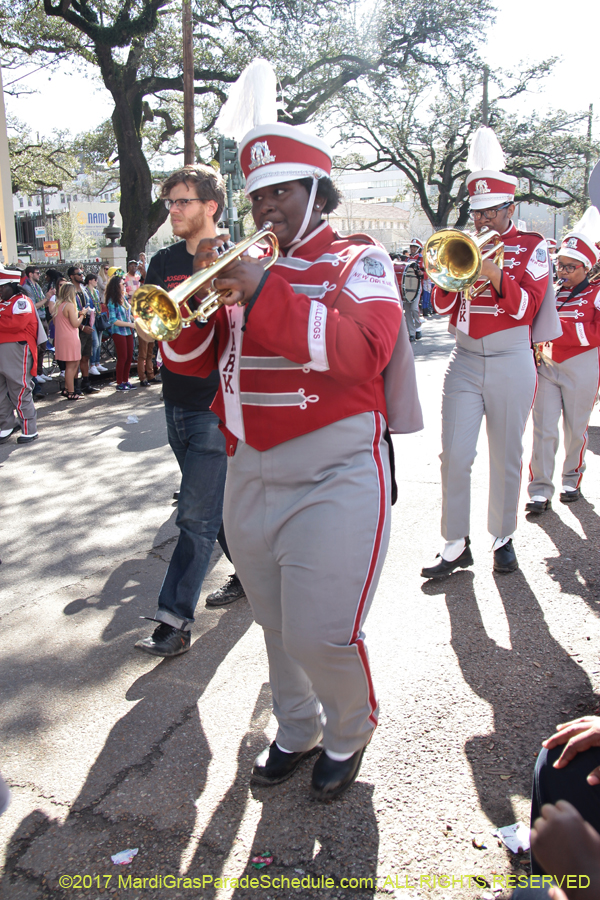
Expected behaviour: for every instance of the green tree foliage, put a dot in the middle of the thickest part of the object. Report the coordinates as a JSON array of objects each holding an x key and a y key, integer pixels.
[
  {"x": 36, "y": 163},
  {"x": 317, "y": 47},
  {"x": 423, "y": 127}
]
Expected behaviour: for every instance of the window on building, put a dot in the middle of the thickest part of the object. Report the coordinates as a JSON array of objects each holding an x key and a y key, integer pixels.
[
  {"x": 74, "y": 198},
  {"x": 68, "y": 198},
  {"x": 21, "y": 203},
  {"x": 29, "y": 201},
  {"x": 62, "y": 198}
]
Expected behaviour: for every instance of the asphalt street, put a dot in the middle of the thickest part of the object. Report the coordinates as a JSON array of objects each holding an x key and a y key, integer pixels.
[{"x": 107, "y": 749}]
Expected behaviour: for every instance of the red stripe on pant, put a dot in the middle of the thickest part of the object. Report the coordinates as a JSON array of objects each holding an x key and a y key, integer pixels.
[
  {"x": 22, "y": 391},
  {"x": 362, "y": 652},
  {"x": 585, "y": 433}
]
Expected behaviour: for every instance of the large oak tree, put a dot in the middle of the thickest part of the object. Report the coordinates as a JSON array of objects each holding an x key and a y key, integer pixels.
[{"x": 317, "y": 47}]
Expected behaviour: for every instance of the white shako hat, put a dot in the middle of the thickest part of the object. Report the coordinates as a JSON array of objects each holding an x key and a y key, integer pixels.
[
  {"x": 415, "y": 242},
  {"x": 270, "y": 152},
  {"x": 581, "y": 243},
  {"x": 8, "y": 276},
  {"x": 487, "y": 185},
  {"x": 273, "y": 153}
]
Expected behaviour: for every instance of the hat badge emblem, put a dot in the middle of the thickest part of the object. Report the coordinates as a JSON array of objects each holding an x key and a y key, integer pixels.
[
  {"x": 481, "y": 187},
  {"x": 260, "y": 155},
  {"x": 572, "y": 243}
]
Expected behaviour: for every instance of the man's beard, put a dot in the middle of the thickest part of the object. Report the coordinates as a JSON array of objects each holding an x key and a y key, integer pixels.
[{"x": 188, "y": 227}]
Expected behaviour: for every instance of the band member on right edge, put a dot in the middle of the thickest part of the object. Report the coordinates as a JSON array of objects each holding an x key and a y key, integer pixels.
[
  {"x": 491, "y": 370},
  {"x": 569, "y": 372}
]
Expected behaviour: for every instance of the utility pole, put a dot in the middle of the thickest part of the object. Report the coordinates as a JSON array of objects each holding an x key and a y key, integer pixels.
[
  {"x": 188, "y": 85},
  {"x": 588, "y": 153},
  {"x": 7, "y": 216},
  {"x": 484, "y": 108}
]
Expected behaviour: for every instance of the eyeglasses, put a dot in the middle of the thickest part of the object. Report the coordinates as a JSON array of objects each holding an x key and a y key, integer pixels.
[
  {"x": 181, "y": 204},
  {"x": 77, "y": 273},
  {"x": 568, "y": 269},
  {"x": 488, "y": 214}
]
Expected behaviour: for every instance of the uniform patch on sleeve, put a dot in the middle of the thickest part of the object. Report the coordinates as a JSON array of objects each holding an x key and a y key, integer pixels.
[
  {"x": 21, "y": 306},
  {"x": 581, "y": 334},
  {"x": 372, "y": 278},
  {"x": 538, "y": 262}
]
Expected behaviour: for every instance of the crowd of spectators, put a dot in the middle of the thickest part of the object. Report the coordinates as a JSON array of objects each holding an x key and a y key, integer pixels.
[{"x": 87, "y": 322}]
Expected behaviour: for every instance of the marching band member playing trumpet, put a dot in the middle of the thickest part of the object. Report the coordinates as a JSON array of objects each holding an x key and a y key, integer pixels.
[
  {"x": 491, "y": 370},
  {"x": 307, "y": 497},
  {"x": 569, "y": 371}
]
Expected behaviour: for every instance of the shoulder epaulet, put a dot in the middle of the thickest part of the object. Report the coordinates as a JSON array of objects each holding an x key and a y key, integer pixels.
[
  {"x": 534, "y": 234},
  {"x": 358, "y": 238}
]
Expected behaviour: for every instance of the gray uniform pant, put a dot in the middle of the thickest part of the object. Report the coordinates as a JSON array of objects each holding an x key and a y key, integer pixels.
[
  {"x": 411, "y": 316},
  {"x": 569, "y": 387},
  {"x": 15, "y": 391},
  {"x": 308, "y": 524},
  {"x": 493, "y": 376}
]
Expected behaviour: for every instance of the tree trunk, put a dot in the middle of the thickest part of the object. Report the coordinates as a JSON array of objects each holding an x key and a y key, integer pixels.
[{"x": 140, "y": 214}]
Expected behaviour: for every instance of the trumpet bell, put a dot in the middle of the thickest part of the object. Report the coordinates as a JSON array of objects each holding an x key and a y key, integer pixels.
[
  {"x": 157, "y": 314},
  {"x": 453, "y": 259}
]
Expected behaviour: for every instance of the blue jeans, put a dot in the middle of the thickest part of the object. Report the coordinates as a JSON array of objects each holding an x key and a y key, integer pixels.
[
  {"x": 199, "y": 448},
  {"x": 95, "y": 357}
]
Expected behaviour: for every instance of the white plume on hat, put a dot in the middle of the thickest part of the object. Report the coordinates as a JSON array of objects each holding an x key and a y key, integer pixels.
[
  {"x": 588, "y": 225},
  {"x": 485, "y": 151},
  {"x": 252, "y": 101}
]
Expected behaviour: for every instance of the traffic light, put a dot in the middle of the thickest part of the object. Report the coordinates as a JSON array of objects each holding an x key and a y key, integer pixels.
[
  {"x": 227, "y": 156},
  {"x": 228, "y": 162}
]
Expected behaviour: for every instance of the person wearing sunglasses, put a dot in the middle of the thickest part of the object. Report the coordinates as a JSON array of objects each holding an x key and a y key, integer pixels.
[
  {"x": 491, "y": 371},
  {"x": 569, "y": 371}
]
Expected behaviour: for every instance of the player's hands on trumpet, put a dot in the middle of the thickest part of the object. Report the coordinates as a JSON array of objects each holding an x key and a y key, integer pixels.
[{"x": 236, "y": 283}]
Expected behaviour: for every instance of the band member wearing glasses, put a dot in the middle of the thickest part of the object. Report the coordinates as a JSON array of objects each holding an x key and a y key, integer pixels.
[
  {"x": 569, "y": 375},
  {"x": 491, "y": 372},
  {"x": 194, "y": 196},
  {"x": 307, "y": 498}
]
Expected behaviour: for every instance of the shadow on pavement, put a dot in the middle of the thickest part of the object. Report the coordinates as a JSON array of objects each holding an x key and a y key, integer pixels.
[
  {"x": 576, "y": 569},
  {"x": 141, "y": 789},
  {"x": 530, "y": 687}
]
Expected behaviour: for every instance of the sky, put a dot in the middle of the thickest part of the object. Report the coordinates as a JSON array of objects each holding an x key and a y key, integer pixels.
[{"x": 525, "y": 30}]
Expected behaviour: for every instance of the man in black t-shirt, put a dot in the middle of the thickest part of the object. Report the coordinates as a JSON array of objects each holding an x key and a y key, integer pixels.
[{"x": 195, "y": 196}]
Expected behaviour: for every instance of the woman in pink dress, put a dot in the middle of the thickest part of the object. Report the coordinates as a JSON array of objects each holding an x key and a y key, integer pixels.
[{"x": 67, "y": 319}]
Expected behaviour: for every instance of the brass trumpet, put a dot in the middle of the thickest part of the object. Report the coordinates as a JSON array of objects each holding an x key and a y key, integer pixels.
[
  {"x": 158, "y": 313},
  {"x": 453, "y": 258}
]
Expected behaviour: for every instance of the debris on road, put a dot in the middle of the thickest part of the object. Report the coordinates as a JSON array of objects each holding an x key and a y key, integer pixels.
[
  {"x": 131, "y": 420},
  {"x": 124, "y": 857},
  {"x": 262, "y": 860},
  {"x": 516, "y": 837}
]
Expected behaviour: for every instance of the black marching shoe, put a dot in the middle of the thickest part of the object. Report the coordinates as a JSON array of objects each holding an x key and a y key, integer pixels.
[
  {"x": 27, "y": 438},
  {"x": 331, "y": 777},
  {"x": 229, "y": 592},
  {"x": 505, "y": 559},
  {"x": 444, "y": 567},
  {"x": 166, "y": 641},
  {"x": 537, "y": 506},
  {"x": 570, "y": 496},
  {"x": 273, "y": 766}
]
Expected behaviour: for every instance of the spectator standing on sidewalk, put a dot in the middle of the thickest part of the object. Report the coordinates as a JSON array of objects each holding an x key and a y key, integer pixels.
[
  {"x": 102, "y": 281},
  {"x": 18, "y": 359},
  {"x": 132, "y": 279},
  {"x": 86, "y": 330},
  {"x": 33, "y": 289},
  {"x": 93, "y": 301},
  {"x": 122, "y": 328},
  {"x": 67, "y": 319},
  {"x": 194, "y": 196}
]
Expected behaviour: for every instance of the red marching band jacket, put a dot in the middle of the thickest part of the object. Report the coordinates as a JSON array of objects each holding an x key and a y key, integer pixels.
[
  {"x": 580, "y": 320},
  {"x": 19, "y": 322},
  {"x": 313, "y": 347},
  {"x": 524, "y": 283}
]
